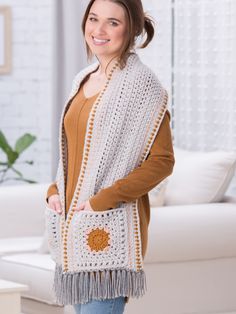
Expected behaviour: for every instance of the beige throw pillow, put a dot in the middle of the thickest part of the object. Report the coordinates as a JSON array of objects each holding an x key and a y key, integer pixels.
[{"x": 200, "y": 177}]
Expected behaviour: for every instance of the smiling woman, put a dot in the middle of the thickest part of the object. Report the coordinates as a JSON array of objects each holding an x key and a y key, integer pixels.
[{"x": 115, "y": 146}]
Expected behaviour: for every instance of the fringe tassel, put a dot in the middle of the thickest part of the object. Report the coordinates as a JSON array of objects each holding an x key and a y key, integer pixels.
[{"x": 73, "y": 288}]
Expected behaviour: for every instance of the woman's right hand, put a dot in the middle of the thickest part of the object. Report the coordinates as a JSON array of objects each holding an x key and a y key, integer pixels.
[{"x": 55, "y": 203}]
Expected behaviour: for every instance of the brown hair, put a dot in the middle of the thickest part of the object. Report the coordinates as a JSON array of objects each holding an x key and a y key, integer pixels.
[{"x": 138, "y": 24}]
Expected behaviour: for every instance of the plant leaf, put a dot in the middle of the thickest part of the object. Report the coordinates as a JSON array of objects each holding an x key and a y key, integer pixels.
[
  {"x": 17, "y": 171},
  {"x": 12, "y": 156},
  {"x": 24, "y": 142},
  {"x": 4, "y": 144},
  {"x": 3, "y": 163}
]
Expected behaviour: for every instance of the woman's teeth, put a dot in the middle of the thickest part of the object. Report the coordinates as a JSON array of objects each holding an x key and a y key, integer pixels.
[{"x": 100, "y": 41}]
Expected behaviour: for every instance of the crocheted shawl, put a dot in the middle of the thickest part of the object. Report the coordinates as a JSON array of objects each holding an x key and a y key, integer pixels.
[{"x": 98, "y": 254}]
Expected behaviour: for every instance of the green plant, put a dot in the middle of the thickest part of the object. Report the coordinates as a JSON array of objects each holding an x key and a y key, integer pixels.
[{"x": 12, "y": 156}]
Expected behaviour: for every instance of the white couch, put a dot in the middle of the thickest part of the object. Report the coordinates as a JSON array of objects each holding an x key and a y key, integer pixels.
[{"x": 190, "y": 263}]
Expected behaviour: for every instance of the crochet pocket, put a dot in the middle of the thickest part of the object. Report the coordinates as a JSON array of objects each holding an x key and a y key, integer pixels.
[
  {"x": 101, "y": 239},
  {"x": 52, "y": 219}
]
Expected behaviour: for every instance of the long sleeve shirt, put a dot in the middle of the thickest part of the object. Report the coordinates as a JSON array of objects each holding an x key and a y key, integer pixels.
[{"x": 136, "y": 185}]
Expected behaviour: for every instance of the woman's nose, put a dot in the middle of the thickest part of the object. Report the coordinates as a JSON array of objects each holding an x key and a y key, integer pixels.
[{"x": 100, "y": 29}]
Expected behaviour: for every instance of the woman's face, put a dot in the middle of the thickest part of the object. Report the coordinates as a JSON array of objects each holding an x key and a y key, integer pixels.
[{"x": 105, "y": 29}]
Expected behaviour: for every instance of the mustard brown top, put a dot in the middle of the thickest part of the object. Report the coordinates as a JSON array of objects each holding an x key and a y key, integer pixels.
[{"x": 136, "y": 185}]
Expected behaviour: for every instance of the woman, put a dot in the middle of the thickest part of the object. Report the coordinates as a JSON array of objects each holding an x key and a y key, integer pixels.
[{"x": 115, "y": 146}]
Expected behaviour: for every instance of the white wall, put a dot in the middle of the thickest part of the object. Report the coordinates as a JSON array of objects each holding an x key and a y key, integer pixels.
[{"x": 26, "y": 92}]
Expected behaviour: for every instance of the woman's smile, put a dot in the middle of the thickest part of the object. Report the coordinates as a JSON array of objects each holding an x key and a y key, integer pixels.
[{"x": 99, "y": 42}]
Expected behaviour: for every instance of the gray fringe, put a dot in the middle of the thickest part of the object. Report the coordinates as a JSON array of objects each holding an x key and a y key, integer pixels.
[{"x": 72, "y": 288}]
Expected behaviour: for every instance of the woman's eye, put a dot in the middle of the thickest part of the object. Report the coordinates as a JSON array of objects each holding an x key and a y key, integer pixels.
[
  {"x": 114, "y": 23},
  {"x": 92, "y": 19}
]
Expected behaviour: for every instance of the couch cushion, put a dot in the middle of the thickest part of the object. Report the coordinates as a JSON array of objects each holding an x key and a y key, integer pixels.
[
  {"x": 16, "y": 245},
  {"x": 200, "y": 177},
  {"x": 192, "y": 232},
  {"x": 32, "y": 269}
]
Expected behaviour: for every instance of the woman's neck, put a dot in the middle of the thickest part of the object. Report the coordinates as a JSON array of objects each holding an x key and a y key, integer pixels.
[{"x": 106, "y": 65}]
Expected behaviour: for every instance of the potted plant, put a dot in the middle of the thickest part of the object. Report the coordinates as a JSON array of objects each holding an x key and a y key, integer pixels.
[{"x": 12, "y": 156}]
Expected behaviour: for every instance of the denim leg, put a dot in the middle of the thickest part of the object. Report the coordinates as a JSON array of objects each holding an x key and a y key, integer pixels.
[
  {"x": 77, "y": 308},
  {"x": 108, "y": 306}
]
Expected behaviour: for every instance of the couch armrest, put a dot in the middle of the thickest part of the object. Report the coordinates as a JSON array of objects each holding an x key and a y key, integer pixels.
[{"x": 22, "y": 210}]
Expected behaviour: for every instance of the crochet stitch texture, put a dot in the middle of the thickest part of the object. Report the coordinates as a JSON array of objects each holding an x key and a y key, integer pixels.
[{"x": 98, "y": 254}]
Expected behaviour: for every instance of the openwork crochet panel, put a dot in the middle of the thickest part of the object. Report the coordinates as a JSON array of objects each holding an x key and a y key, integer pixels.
[
  {"x": 104, "y": 237},
  {"x": 53, "y": 233},
  {"x": 121, "y": 128}
]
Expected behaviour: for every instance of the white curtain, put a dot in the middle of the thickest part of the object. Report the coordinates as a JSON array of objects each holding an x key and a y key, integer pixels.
[
  {"x": 205, "y": 74},
  {"x": 204, "y": 98},
  {"x": 158, "y": 54},
  {"x": 69, "y": 58}
]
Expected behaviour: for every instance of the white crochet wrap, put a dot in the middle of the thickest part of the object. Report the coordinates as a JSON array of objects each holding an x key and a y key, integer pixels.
[{"x": 98, "y": 254}]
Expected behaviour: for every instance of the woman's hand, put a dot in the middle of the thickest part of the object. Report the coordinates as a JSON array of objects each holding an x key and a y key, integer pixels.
[
  {"x": 84, "y": 206},
  {"x": 55, "y": 203}
]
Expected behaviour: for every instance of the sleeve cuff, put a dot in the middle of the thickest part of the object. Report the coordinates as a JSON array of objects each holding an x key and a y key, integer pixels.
[
  {"x": 105, "y": 199},
  {"x": 51, "y": 191}
]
